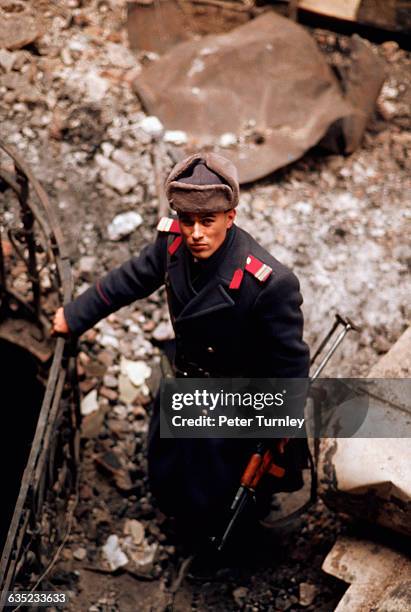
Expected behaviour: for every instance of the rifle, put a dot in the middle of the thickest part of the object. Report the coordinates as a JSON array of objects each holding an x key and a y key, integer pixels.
[{"x": 262, "y": 460}]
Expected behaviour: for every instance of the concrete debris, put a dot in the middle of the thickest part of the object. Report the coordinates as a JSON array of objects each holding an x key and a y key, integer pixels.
[
  {"x": 163, "y": 331},
  {"x": 19, "y": 24},
  {"x": 123, "y": 225},
  {"x": 108, "y": 341},
  {"x": 89, "y": 403},
  {"x": 127, "y": 391},
  {"x": 7, "y": 60},
  {"x": 119, "y": 56},
  {"x": 227, "y": 140},
  {"x": 115, "y": 177},
  {"x": 380, "y": 577},
  {"x": 87, "y": 266},
  {"x": 109, "y": 394},
  {"x": 152, "y": 125},
  {"x": 177, "y": 137},
  {"x": 80, "y": 554},
  {"x": 135, "y": 529},
  {"x": 126, "y": 159},
  {"x": 96, "y": 87},
  {"x": 92, "y": 424},
  {"x": 308, "y": 593},
  {"x": 240, "y": 595},
  {"x": 136, "y": 371},
  {"x": 112, "y": 464},
  {"x": 110, "y": 381},
  {"x": 132, "y": 549},
  {"x": 113, "y": 554},
  {"x": 142, "y": 557}
]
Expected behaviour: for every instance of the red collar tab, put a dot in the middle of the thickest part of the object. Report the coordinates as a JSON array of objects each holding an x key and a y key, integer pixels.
[
  {"x": 257, "y": 268},
  {"x": 237, "y": 279},
  {"x": 171, "y": 226},
  {"x": 175, "y": 244}
]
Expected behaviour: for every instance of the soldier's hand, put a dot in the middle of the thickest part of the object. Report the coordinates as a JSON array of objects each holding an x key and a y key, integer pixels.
[{"x": 60, "y": 327}]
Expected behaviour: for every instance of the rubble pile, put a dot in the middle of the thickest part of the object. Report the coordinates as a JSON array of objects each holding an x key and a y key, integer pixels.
[{"x": 67, "y": 106}]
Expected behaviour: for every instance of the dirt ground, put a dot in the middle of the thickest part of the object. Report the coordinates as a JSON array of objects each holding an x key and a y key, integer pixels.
[{"x": 339, "y": 222}]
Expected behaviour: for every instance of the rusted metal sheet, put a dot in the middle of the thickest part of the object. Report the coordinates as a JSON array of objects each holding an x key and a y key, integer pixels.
[
  {"x": 35, "y": 246},
  {"x": 268, "y": 86},
  {"x": 370, "y": 477},
  {"x": 380, "y": 577}
]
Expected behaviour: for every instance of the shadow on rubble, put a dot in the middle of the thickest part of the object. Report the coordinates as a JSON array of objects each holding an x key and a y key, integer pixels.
[{"x": 22, "y": 394}]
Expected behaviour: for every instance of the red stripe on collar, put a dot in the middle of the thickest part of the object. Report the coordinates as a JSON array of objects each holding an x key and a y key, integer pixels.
[
  {"x": 237, "y": 279},
  {"x": 174, "y": 245}
]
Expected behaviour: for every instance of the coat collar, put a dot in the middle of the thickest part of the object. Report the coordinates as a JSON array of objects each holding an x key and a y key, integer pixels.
[{"x": 215, "y": 294}]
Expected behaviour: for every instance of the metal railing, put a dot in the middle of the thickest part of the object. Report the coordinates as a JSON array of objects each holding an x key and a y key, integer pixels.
[{"x": 31, "y": 245}]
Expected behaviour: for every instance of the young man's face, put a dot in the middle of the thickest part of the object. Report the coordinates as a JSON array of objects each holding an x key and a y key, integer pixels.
[{"x": 204, "y": 233}]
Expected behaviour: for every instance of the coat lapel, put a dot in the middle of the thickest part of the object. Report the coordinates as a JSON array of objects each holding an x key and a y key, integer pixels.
[
  {"x": 179, "y": 281},
  {"x": 211, "y": 298}
]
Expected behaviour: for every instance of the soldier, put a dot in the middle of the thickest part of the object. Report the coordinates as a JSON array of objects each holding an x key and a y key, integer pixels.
[{"x": 236, "y": 312}]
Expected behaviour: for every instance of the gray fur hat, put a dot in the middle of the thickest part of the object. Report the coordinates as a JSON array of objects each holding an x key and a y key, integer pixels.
[{"x": 203, "y": 182}]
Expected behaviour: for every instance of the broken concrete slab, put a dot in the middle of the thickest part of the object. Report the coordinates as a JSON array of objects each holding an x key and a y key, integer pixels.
[
  {"x": 362, "y": 80},
  {"x": 370, "y": 477},
  {"x": 380, "y": 577},
  {"x": 157, "y": 26},
  {"x": 392, "y": 15},
  {"x": 268, "y": 85},
  {"x": 397, "y": 362},
  {"x": 333, "y": 8}
]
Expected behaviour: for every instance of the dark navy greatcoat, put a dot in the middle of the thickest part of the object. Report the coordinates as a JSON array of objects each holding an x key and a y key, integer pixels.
[{"x": 254, "y": 330}]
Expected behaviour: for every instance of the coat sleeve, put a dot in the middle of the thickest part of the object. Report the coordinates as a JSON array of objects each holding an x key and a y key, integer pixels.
[
  {"x": 135, "y": 279},
  {"x": 280, "y": 326}
]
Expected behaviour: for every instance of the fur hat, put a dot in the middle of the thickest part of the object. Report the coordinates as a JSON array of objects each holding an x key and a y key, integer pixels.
[{"x": 203, "y": 182}]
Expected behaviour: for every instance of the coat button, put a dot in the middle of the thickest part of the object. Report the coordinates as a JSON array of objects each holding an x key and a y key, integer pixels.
[{"x": 210, "y": 349}]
